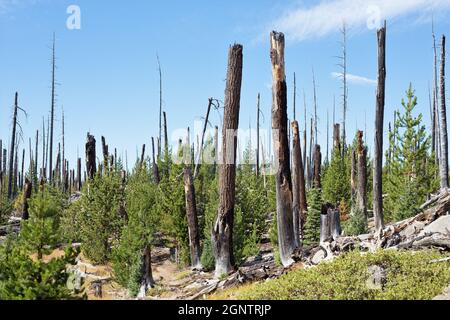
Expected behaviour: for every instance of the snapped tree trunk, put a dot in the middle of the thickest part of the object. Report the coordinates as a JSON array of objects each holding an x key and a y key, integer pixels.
[
  {"x": 222, "y": 234},
  {"x": 105, "y": 152},
  {"x": 191, "y": 212},
  {"x": 378, "y": 145},
  {"x": 147, "y": 277},
  {"x": 325, "y": 224},
  {"x": 317, "y": 167},
  {"x": 26, "y": 196},
  {"x": 444, "y": 138},
  {"x": 337, "y": 138},
  {"x": 143, "y": 155},
  {"x": 286, "y": 238},
  {"x": 353, "y": 175},
  {"x": 361, "y": 195},
  {"x": 79, "y": 185},
  {"x": 298, "y": 185},
  {"x": 91, "y": 166}
]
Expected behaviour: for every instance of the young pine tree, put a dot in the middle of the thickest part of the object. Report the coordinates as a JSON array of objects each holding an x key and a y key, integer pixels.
[
  {"x": 412, "y": 174},
  {"x": 27, "y": 271},
  {"x": 128, "y": 256}
]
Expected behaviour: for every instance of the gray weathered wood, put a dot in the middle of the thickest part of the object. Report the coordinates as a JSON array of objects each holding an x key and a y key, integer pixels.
[
  {"x": 222, "y": 234},
  {"x": 379, "y": 119},
  {"x": 286, "y": 238}
]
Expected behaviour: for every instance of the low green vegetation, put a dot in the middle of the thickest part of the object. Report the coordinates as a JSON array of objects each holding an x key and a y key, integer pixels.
[
  {"x": 27, "y": 269},
  {"x": 409, "y": 276}
]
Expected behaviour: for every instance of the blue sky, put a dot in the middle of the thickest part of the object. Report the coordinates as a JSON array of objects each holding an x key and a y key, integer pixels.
[{"x": 108, "y": 73}]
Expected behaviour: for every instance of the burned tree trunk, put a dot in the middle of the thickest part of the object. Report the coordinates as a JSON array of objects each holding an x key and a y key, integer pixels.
[
  {"x": 105, "y": 152},
  {"x": 325, "y": 224},
  {"x": 337, "y": 138},
  {"x": 191, "y": 212},
  {"x": 142, "y": 156},
  {"x": 52, "y": 111},
  {"x": 26, "y": 196},
  {"x": 353, "y": 175},
  {"x": 166, "y": 136},
  {"x": 222, "y": 234},
  {"x": 444, "y": 138},
  {"x": 147, "y": 277},
  {"x": 361, "y": 194},
  {"x": 78, "y": 188},
  {"x": 298, "y": 185},
  {"x": 258, "y": 112},
  {"x": 154, "y": 164},
  {"x": 13, "y": 147},
  {"x": 378, "y": 146},
  {"x": 286, "y": 238},
  {"x": 317, "y": 167},
  {"x": 91, "y": 166}
]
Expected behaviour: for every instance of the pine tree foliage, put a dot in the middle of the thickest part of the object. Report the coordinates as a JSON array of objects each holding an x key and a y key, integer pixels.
[
  {"x": 100, "y": 221},
  {"x": 411, "y": 173},
  {"x": 27, "y": 272},
  {"x": 312, "y": 225},
  {"x": 139, "y": 231}
]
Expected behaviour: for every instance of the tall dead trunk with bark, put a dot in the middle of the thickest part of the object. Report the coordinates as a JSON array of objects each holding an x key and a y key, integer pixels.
[
  {"x": 91, "y": 166},
  {"x": 378, "y": 145},
  {"x": 337, "y": 138},
  {"x": 361, "y": 194},
  {"x": 222, "y": 234},
  {"x": 317, "y": 167},
  {"x": 286, "y": 237},
  {"x": 444, "y": 138},
  {"x": 298, "y": 186},
  {"x": 26, "y": 196},
  {"x": 353, "y": 174},
  {"x": 191, "y": 213}
]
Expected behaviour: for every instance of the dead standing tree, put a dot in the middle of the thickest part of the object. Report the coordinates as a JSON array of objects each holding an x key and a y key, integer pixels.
[
  {"x": 222, "y": 234},
  {"x": 361, "y": 191},
  {"x": 191, "y": 212},
  {"x": 154, "y": 164},
  {"x": 298, "y": 185},
  {"x": 28, "y": 187},
  {"x": 12, "y": 171},
  {"x": 444, "y": 138},
  {"x": 52, "y": 110},
  {"x": 286, "y": 238},
  {"x": 91, "y": 166},
  {"x": 378, "y": 145}
]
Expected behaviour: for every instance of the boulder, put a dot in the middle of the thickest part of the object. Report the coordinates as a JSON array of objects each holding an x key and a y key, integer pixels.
[{"x": 441, "y": 225}]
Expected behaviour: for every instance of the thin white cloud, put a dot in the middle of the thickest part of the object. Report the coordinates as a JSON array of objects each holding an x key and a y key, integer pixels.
[
  {"x": 8, "y": 5},
  {"x": 328, "y": 15},
  {"x": 351, "y": 78}
]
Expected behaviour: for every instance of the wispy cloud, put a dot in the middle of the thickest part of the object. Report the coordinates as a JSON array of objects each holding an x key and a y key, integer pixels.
[
  {"x": 328, "y": 15},
  {"x": 351, "y": 78},
  {"x": 8, "y": 5}
]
